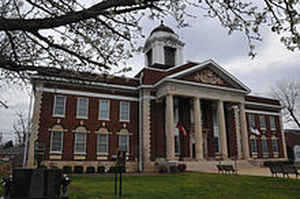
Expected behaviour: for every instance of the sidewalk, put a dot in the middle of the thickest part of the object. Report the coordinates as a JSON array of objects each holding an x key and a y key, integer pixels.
[{"x": 252, "y": 172}]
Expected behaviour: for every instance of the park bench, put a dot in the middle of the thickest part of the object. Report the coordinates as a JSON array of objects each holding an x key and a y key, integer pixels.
[
  {"x": 275, "y": 170},
  {"x": 225, "y": 169},
  {"x": 286, "y": 170}
]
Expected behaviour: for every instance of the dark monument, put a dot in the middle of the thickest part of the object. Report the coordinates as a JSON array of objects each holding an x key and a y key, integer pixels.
[{"x": 40, "y": 183}]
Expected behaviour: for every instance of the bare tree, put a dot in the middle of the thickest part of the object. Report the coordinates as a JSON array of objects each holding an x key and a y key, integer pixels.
[
  {"x": 288, "y": 92},
  {"x": 36, "y": 35},
  {"x": 20, "y": 128}
]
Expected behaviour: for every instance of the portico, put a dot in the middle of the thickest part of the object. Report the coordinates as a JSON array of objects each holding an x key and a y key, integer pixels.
[{"x": 200, "y": 97}]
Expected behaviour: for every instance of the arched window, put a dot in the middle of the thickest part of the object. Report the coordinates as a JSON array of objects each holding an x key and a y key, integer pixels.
[
  {"x": 103, "y": 141},
  {"x": 57, "y": 139},
  {"x": 265, "y": 148},
  {"x": 275, "y": 147},
  {"x": 124, "y": 140},
  {"x": 80, "y": 140}
]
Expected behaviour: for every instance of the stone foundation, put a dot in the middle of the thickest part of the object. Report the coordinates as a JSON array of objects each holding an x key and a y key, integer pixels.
[{"x": 130, "y": 166}]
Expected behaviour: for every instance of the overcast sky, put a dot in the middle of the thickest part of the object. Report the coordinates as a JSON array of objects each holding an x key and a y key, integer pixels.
[{"x": 205, "y": 39}]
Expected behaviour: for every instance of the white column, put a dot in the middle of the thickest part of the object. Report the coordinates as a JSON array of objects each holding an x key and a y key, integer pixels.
[
  {"x": 237, "y": 131},
  {"x": 222, "y": 129},
  {"x": 282, "y": 136},
  {"x": 244, "y": 132},
  {"x": 170, "y": 128},
  {"x": 198, "y": 129}
]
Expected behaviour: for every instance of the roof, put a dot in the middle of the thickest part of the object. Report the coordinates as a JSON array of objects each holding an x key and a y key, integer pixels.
[
  {"x": 163, "y": 28},
  {"x": 58, "y": 74}
]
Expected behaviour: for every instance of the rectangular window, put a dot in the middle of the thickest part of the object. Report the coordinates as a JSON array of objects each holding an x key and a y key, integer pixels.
[
  {"x": 170, "y": 54},
  {"x": 102, "y": 143},
  {"x": 149, "y": 57},
  {"x": 275, "y": 145},
  {"x": 254, "y": 146},
  {"x": 265, "y": 146},
  {"x": 104, "y": 109},
  {"x": 251, "y": 119},
  {"x": 262, "y": 122},
  {"x": 82, "y": 108},
  {"x": 80, "y": 143},
  {"x": 217, "y": 144},
  {"x": 124, "y": 111},
  {"x": 57, "y": 138},
  {"x": 124, "y": 143},
  {"x": 59, "y": 105},
  {"x": 272, "y": 123}
]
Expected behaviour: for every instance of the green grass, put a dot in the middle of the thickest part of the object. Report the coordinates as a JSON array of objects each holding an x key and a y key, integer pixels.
[{"x": 187, "y": 185}]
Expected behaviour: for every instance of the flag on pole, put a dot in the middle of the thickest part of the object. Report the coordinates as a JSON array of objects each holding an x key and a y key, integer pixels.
[
  {"x": 181, "y": 129},
  {"x": 254, "y": 130}
]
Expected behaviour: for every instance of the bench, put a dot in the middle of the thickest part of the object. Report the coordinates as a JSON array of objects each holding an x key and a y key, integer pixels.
[
  {"x": 275, "y": 170},
  {"x": 226, "y": 169},
  {"x": 284, "y": 170},
  {"x": 290, "y": 170}
]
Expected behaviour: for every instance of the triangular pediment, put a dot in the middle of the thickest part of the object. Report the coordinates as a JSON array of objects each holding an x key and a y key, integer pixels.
[{"x": 210, "y": 74}]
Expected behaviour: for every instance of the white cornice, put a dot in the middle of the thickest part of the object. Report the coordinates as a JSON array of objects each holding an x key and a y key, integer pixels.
[
  {"x": 87, "y": 94},
  {"x": 262, "y": 112},
  {"x": 85, "y": 82},
  {"x": 264, "y": 105}
]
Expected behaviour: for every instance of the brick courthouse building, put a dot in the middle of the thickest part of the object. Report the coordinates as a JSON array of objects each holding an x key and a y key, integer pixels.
[{"x": 84, "y": 118}]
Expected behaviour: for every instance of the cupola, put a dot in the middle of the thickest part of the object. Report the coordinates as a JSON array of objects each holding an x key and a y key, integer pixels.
[{"x": 163, "y": 49}]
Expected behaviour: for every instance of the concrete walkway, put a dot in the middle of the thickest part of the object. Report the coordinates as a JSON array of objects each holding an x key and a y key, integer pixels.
[{"x": 252, "y": 172}]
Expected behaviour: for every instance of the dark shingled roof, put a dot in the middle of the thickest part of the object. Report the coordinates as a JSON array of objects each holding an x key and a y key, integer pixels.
[{"x": 162, "y": 27}]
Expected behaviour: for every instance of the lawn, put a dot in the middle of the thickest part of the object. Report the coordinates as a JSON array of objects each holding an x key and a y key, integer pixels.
[{"x": 185, "y": 185}]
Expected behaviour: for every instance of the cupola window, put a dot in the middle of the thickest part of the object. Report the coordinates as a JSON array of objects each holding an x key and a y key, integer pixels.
[
  {"x": 170, "y": 56},
  {"x": 149, "y": 57}
]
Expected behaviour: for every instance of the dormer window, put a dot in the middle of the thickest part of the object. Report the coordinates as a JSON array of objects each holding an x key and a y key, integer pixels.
[
  {"x": 170, "y": 56},
  {"x": 149, "y": 57}
]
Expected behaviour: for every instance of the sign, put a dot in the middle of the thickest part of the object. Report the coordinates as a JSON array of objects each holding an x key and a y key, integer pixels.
[{"x": 297, "y": 153}]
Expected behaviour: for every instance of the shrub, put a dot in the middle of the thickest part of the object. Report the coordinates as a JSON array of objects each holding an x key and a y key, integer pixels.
[
  {"x": 90, "y": 170},
  {"x": 173, "y": 169},
  {"x": 67, "y": 169},
  {"x": 162, "y": 169},
  {"x": 181, "y": 167},
  {"x": 101, "y": 169},
  {"x": 78, "y": 169}
]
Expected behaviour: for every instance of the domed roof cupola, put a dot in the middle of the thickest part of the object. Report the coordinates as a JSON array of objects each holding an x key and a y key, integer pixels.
[{"x": 163, "y": 49}]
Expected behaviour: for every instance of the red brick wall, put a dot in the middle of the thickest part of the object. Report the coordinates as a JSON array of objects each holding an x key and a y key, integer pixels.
[
  {"x": 70, "y": 123},
  {"x": 268, "y": 133},
  {"x": 158, "y": 136}
]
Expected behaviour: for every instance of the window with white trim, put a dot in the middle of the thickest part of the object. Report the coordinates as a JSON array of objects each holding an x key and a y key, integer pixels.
[
  {"x": 124, "y": 142},
  {"x": 251, "y": 119},
  {"x": 275, "y": 145},
  {"x": 124, "y": 111},
  {"x": 262, "y": 122},
  {"x": 80, "y": 143},
  {"x": 102, "y": 143},
  {"x": 56, "y": 145},
  {"x": 265, "y": 146},
  {"x": 104, "y": 107},
  {"x": 82, "y": 108},
  {"x": 272, "y": 123},
  {"x": 59, "y": 105}
]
